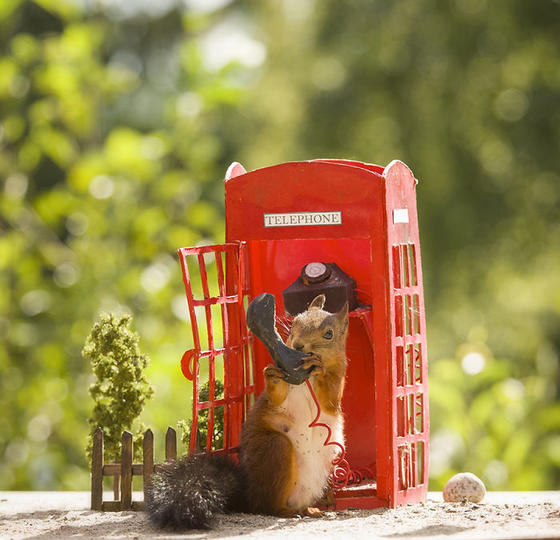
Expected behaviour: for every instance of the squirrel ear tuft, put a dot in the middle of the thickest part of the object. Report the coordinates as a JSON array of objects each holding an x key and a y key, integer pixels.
[
  {"x": 342, "y": 315},
  {"x": 318, "y": 302}
]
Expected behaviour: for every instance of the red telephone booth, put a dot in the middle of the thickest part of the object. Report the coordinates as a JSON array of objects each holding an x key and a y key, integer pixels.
[{"x": 278, "y": 219}]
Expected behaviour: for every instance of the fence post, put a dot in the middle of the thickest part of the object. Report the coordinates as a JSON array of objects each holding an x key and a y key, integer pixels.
[
  {"x": 170, "y": 444},
  {"x": 97, "y": 470},
  {"x": 126, "y": 471},
  {"x": 116, "y": 487},
  {"x": 148, "y": 460}
]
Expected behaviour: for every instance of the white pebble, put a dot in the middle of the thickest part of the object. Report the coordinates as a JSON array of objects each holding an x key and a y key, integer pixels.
[{"x": 464, "y": 487}]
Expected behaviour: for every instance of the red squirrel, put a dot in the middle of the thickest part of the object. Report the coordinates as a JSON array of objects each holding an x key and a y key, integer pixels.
[{"x": 284, "y": 465}]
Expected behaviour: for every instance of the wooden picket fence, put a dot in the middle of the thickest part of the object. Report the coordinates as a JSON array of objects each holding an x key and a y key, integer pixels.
[{"x": 126, "y": 469}]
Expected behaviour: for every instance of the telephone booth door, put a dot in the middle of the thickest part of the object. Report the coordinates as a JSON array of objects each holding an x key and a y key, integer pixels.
[{"x": 220, "y": 364}]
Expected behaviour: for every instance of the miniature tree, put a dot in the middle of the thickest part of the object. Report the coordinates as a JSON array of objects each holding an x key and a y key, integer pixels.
[{"x": 121, "y": 388}]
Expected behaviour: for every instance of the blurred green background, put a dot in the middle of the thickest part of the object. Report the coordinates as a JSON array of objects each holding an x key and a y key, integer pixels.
[{"x": 119, "y": 119}]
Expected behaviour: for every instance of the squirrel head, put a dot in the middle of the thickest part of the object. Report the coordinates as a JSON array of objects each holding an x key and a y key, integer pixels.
[{"x": 319, "y": 331}]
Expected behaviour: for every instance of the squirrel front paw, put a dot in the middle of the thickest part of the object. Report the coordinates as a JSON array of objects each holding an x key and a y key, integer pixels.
[
  {"x": 274, "y": 373},
  {"x": 314, "y": 362}
]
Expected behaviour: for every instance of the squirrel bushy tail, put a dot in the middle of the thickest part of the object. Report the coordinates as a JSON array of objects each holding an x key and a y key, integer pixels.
[{"x": 189, "y": 492}]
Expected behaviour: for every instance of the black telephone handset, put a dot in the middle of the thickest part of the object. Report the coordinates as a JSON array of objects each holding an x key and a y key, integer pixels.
[{"x": 261, "y": 315}]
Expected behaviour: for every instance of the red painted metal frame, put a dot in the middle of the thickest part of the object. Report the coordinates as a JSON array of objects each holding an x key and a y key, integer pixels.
[
  {"x": 386, "y": 396},
  {"x": 239, "y": 387}
]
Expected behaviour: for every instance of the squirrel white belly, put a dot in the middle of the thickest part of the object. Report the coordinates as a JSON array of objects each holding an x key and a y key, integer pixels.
[{"x": 313, "y": 459}]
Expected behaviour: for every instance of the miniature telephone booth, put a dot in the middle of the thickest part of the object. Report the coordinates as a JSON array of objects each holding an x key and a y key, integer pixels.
[{"x": 362, "y": 217}]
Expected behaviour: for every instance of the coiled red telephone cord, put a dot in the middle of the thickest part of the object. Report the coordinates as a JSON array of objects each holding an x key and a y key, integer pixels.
[{"x": 341, "y": 475}]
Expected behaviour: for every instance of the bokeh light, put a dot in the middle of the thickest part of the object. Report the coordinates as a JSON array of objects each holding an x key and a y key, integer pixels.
[{"x": 119, "y": 120}]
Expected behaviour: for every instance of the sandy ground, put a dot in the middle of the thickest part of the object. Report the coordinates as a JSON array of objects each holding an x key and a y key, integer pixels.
[{"x": 501, "y": 515}]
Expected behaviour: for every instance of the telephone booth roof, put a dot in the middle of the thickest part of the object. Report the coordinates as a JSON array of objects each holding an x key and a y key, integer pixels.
[{"x": 352, "y": 191}]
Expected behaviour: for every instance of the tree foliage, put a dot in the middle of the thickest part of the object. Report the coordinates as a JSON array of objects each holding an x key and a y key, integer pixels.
[
  {"x": 120, "y": 390},
  {"x": 118, "y": 120}
]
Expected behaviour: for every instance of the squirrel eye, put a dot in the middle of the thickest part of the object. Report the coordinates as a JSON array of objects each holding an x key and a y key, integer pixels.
[{"x": 328, "y": 334}]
